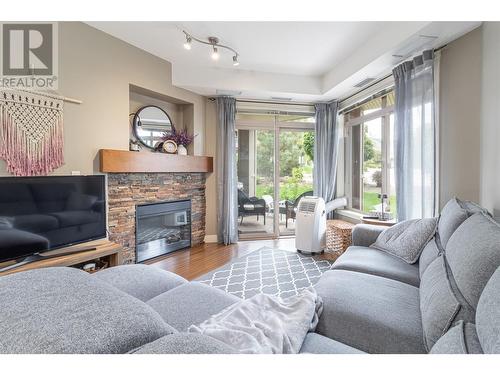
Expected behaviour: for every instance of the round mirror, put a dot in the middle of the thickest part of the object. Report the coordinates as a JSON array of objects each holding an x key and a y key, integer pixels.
[{"x": 150, "y": 125}]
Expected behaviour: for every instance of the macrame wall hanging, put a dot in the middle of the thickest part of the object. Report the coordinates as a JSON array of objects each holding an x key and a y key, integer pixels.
[{"x": 31, "y": 132}]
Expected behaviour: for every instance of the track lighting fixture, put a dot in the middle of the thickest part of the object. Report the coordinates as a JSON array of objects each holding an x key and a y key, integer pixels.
[
  {"x": 215, "y": 54},
  {"x": 187, "y": 45},
  {"x": 235, "y": 60},
  {"x": 214, "y": 42}
]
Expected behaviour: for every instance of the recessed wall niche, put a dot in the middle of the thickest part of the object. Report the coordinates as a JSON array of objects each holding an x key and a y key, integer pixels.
[{"x": 181, "y": 112}]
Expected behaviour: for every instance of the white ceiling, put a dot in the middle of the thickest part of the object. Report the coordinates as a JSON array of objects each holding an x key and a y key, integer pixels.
[{"x": 304, "y": 61}]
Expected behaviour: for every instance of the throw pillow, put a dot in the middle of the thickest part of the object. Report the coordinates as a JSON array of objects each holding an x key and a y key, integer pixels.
[
  {"x": 473, "y": 208},
  {"x": 407, "y": 239}
]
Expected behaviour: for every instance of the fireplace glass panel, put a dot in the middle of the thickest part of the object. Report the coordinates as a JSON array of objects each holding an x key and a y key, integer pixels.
[{"x": 162, "y": 228}]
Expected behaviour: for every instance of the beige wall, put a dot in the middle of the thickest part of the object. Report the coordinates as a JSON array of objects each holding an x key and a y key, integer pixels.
[
  {"x": 490, "y": 118},
  {"x": 211, "y": 185},
  {"x": 459, "y": 117},
  {"x": 99, "y": 69}
]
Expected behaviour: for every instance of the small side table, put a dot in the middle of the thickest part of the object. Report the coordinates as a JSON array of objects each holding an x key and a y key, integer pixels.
[
  {"x": 385, "y": 223},
  {"x": 338, "y": 238}
]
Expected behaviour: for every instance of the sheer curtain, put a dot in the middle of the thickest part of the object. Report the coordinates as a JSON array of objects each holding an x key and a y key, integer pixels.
[
  {"x": 326, "y": 148},
  {"x": 227, "y": 207},
  {"x": 415, "y": 138}
]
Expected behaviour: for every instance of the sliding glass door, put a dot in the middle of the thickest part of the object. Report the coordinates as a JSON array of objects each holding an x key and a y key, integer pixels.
[{"x": 274, "y": 166}]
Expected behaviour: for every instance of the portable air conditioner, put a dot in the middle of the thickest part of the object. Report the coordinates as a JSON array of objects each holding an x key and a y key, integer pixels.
[{"x": 310, "y": 225}]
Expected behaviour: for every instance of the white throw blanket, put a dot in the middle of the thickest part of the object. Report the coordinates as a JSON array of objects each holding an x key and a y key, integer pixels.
[{"x": 265, "y": 324}]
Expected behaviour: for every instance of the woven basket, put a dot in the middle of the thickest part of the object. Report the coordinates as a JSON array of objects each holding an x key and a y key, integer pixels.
[{"x": 338, "y": 237}]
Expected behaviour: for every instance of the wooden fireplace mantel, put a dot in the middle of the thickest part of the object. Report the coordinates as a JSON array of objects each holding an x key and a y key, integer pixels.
[{"x": 119, "y": 161}]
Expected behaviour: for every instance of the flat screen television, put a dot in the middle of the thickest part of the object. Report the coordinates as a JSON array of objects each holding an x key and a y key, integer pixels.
[{"x": 38, "y": 214}]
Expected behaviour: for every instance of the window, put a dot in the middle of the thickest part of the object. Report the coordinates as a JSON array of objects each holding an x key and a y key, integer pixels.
[{"x": 369, "y": 155}]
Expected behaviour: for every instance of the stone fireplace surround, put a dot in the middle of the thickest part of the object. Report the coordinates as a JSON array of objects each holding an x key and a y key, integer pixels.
[{"x": 126, "y": 190}]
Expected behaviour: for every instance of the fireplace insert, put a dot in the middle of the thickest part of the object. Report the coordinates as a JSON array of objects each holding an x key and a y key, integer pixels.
[{"x": 162, "y": 228}]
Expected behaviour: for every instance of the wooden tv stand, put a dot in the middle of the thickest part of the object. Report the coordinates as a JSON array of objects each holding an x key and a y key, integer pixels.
[{"x": 102, "y": 249}]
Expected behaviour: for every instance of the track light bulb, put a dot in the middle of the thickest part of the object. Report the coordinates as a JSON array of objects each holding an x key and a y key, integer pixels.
[
  {"x": 215, "y": 54},
  {"x": 235, "y": 60},
  {"x": 187, "y": 45}
]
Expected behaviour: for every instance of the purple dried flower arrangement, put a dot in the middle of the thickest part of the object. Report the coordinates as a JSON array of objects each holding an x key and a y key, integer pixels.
[{"x": 181, "y": 137}]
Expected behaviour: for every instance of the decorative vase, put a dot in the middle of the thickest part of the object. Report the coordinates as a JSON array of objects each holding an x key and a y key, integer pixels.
[{"x": 181, "y": 150}]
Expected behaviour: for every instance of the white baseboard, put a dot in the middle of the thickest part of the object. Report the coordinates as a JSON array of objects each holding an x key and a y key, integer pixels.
[{"x": 211, "y": 238}]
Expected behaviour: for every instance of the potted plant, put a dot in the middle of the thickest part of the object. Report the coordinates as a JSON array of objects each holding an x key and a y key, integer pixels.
[{"x": 183, "y": 140}]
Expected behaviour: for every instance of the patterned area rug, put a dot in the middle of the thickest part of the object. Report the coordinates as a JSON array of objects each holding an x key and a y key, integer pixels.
[{"x": 269, "y": 271}]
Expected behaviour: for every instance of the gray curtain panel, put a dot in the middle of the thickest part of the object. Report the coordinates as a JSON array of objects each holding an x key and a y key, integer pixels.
[
  {"x": 415, "y": 138},
  {"x": 227, "y": 207},
  {"x": 326, "y": 147}
]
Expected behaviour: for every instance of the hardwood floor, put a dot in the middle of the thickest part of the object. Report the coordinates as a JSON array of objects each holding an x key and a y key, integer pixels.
[{"x": 196, "y": 261}]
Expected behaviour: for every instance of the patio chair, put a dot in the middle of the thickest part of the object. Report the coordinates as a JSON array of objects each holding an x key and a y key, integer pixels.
[
  {"x": 250, "y": 206},
  {"x": 290, "y": 208},
  {"x": 269, "y": 203}
]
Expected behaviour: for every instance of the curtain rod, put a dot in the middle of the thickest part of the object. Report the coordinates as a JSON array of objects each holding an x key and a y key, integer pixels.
[
  {"x": 274, "y": 102},
  {"x": 50, "y": 94},
  {"x": 268, "y": 102},
  {"x": 71, "y": 100},
  {"x": 381, "y": 79}
]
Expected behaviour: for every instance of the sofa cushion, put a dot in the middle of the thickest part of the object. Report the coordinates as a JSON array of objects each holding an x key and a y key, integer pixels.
[
  {"x": 473, "y": 254},
  {"x": 429, "y": 254},
  {"x": 65, "y": 310},
  {"x": 371, "y": 313},
  {"x": 452, "y": 215},
  {"x": 407, "y": 239},
  {"x": 139, "y": 280},
  {"x": 439, "y": 304},
  {"x": 318, "y": 344},
  {"x": 191, "y": 303},
  {"x": 473, "y": 208},
  {"x": 379, "y": 263},
  {"x": 488, "y": 316},
  {"x": 461, "y": 339},
  {"x": 185, "y": 343},
  {"x": 366, "y": 234}
]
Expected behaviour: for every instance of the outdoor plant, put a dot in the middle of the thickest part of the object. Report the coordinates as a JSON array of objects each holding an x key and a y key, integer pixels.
[
  {"x": 296, "y": 155},
  {"x": 309, "y": 144},
  {"x": 377, "y": 178}
]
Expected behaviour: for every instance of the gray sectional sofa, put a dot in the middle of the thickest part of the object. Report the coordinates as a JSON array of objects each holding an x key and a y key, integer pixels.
[
  {"x": 374, "y": 302},
  {"x": 378, "y": 303}
]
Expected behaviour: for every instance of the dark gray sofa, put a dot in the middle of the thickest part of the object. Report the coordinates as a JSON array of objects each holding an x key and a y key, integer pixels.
[{"x": 374, "y": 302}]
